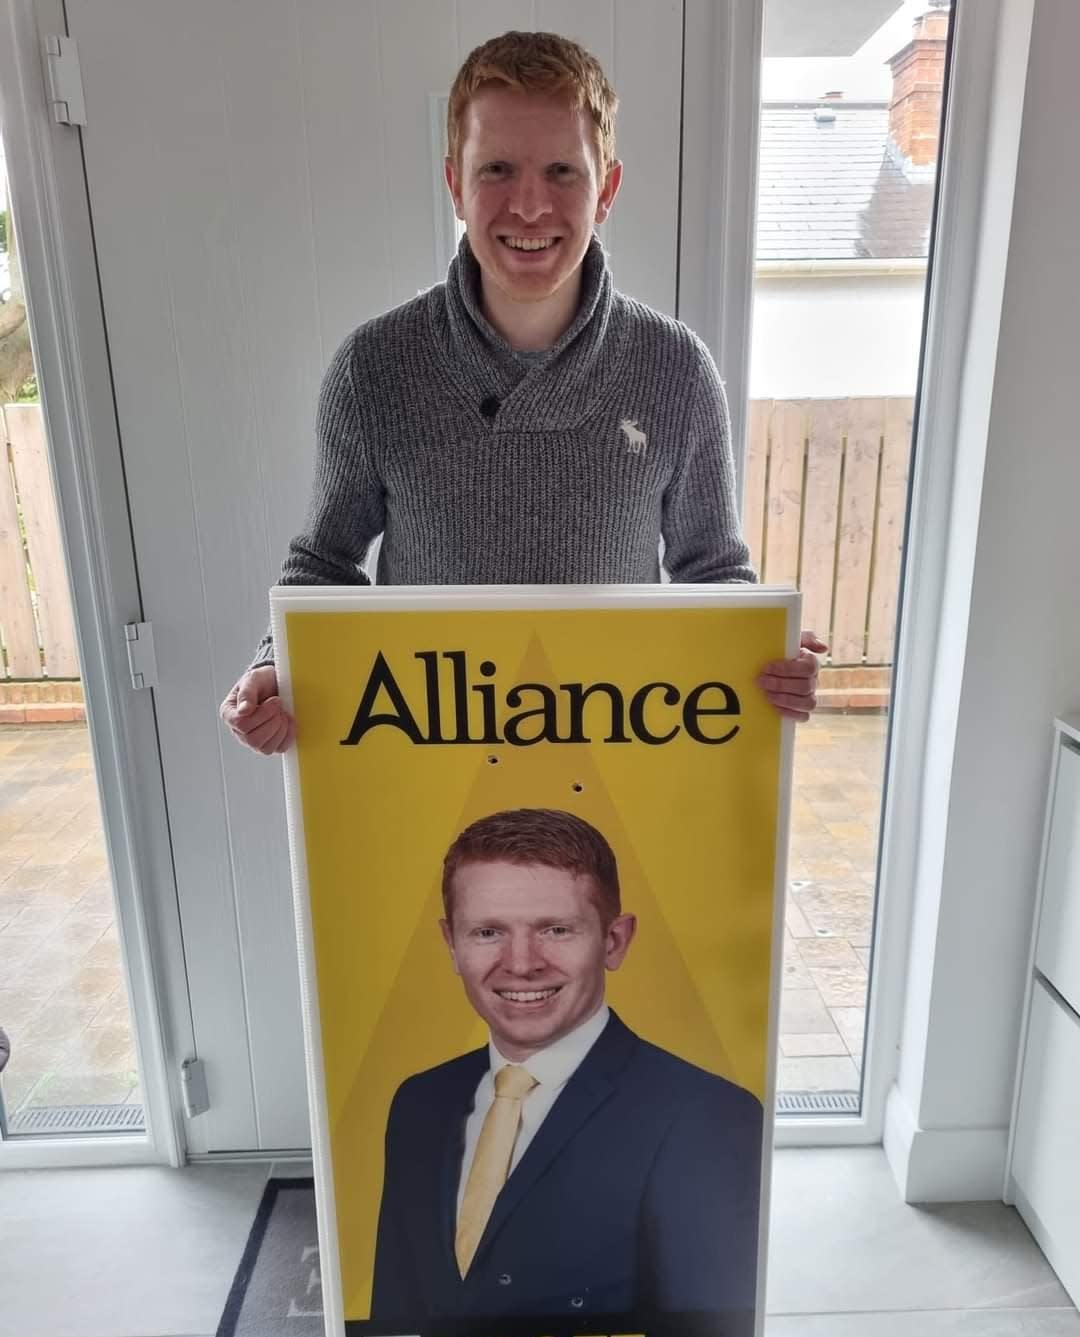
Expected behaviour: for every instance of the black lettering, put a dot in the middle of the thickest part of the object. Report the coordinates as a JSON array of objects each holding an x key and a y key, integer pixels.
[
  {"x": 536, "y": 706},
  {"x": 461, "y": 697},
  {"x": 486, "y": 693},
  {"x": 430, "y": 659},
  {"x": 547, "y": 711},
  {"x": 579, "y": 694},
  {"x": 637, "y": 711},
  {"x": 382, "y": 679},
  {"x": 693, "y": 711}
]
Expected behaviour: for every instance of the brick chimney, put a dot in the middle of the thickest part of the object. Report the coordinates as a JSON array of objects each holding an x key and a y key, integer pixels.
[{"x": 918, "y": 71}]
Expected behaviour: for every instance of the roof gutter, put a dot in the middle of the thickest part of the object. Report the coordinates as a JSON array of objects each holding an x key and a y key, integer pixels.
[{"x": 809, "y": 269}]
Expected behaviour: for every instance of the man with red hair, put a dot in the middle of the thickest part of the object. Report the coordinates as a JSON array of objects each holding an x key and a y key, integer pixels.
[
  {"x": 569, "y": 1170},
  {"x": 523, "y": 422}
]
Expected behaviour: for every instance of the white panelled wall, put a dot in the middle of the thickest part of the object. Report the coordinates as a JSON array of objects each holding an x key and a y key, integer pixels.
[{"x": 261, "y": 181}]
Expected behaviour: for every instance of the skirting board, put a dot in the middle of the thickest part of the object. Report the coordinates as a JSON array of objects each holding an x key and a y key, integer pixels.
[{"x": 943, "y": 1164}]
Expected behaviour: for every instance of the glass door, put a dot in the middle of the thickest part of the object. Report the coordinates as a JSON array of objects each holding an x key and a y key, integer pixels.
[
  {"x": 93, "y": 998},
  {"x": 69, "y": 1061},
  {"x": 849, "y": 128}
]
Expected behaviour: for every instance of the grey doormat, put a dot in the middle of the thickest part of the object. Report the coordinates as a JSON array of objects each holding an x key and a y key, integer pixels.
[{"x": 277, "y": 1291}]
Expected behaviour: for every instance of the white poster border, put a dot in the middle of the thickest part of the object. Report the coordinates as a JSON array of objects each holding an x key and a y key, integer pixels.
[{"x": 285, "y": 599}]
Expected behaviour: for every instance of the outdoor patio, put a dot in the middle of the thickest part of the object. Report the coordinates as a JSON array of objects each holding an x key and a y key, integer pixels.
[
  {"x": 62, "y": 996},
  {"x": 839, "y": 764}
]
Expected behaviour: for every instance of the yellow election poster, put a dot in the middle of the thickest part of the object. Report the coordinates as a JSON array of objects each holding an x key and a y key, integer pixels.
[{"x": 538, "y": 857}]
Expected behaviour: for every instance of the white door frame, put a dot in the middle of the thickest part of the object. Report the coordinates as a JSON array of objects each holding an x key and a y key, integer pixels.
[
  {"x": 722, "y": 64},
  {"x": 49, "y": 204},
  {"x": 721, "y": 94}
]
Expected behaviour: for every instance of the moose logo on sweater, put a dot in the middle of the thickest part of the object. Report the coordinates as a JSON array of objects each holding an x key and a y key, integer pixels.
[{"x": 637, "y": 443}]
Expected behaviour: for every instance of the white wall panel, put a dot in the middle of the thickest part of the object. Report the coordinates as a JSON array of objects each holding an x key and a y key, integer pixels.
[
  {"x": 477, "y": 20},
  {"x": 276, "y": 361},
  {"x": 643, "y": 231},
  {"x": 417, "y": 55},
  {"x": 590, "y": 22},
  {"x": 351, "y": 209},
  {"x": 167, "y": 258},
  {"x": 261, "y": 181}
]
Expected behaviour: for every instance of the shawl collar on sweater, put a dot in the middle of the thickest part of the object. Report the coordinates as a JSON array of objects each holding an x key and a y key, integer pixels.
[{"x": 557, "y": 393}]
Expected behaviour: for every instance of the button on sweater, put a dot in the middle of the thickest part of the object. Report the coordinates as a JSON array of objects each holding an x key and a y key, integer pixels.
[{"x": 479, "y": 467}]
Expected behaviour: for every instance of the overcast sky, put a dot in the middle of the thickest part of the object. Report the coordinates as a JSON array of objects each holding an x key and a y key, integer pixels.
[{"x": 862, "y": 77}]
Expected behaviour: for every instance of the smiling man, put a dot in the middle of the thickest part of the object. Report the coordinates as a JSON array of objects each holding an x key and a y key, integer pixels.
[
  {"x": 530, "y": 177},
  {"x": 569, "y": 1169},
  {"x": 523, "y": 422}
]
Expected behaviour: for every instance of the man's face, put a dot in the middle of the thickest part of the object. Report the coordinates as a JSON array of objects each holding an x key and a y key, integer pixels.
[
  {"x": 531, "y": 950},
  {"x": 529, "y": 173}
]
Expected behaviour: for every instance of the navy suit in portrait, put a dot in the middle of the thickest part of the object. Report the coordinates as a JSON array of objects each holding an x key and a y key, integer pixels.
[{"x": 638, "y": 1195}]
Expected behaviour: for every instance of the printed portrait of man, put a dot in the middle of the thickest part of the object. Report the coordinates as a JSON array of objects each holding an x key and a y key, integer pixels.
[{"x": 568, "y": 1169}]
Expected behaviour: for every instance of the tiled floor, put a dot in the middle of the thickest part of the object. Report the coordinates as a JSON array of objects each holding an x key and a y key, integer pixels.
[
  {"x": 62, "y": 997},
  {"x": 151, "y": 1253}
]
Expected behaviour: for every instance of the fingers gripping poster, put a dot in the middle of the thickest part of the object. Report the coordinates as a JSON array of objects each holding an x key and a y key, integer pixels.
[{"x": 537, "y": 841}]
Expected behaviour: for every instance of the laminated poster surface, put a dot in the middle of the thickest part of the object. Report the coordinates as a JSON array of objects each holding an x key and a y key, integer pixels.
[{"x": 547, "y": 840}]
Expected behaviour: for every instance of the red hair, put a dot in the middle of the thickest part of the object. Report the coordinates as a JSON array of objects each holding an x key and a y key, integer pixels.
[
  {"x": 544, "y": 836},
  {"x": 535, "y": 62}
]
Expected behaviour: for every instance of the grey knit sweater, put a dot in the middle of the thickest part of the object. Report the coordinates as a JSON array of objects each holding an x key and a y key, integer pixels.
[{"x": 479, "y": 468}]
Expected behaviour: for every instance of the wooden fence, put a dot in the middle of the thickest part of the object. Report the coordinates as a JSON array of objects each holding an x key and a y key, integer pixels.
[
  {"x": 37, "y": 630},
  {"x": 824, "y": 505}
]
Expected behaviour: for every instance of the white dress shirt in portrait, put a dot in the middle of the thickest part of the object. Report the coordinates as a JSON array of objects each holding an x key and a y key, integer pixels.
[{"x": 552, "y": 1068}]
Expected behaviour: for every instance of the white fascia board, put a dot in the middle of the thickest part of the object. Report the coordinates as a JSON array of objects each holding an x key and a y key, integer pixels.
[{"x": 813, "y": 269}]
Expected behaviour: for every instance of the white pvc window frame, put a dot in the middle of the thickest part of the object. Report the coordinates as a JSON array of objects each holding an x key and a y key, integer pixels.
[
  {"x": 49, "y": 205},
  {"x": 722, "y": 64}
]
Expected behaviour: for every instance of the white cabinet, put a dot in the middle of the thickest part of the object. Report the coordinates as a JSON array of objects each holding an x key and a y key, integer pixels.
[
  {"x": 1057, "y": 955},
  {"x": 1044, "y": 1161},
  {"x": 1046, "y": 1156}
]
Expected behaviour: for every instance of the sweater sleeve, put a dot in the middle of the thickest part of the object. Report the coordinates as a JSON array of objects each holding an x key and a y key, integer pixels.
[
  {"x": 703, "y": 539},
  {"x": 346, "y": 512}
]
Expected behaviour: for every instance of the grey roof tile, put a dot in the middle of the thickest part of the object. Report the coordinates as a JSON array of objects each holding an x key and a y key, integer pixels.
[{"x": 832, "y": 189}]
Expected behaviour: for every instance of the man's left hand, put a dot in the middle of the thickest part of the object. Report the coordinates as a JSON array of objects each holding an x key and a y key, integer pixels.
[{"x": 791, "y": 684}]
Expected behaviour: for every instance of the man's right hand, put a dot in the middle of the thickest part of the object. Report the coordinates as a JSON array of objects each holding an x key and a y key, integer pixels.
[{"x": 255, "y": 715}]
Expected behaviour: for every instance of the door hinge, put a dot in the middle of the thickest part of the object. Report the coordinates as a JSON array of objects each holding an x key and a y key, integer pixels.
[
  {"x": 142, "y": 661},
  {"x": 193, "y": 1085},
  {"x": 64, "y": 81}
]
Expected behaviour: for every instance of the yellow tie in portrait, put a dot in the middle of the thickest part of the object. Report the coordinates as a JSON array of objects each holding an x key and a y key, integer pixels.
[{"x": 491, "y": 1163}]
